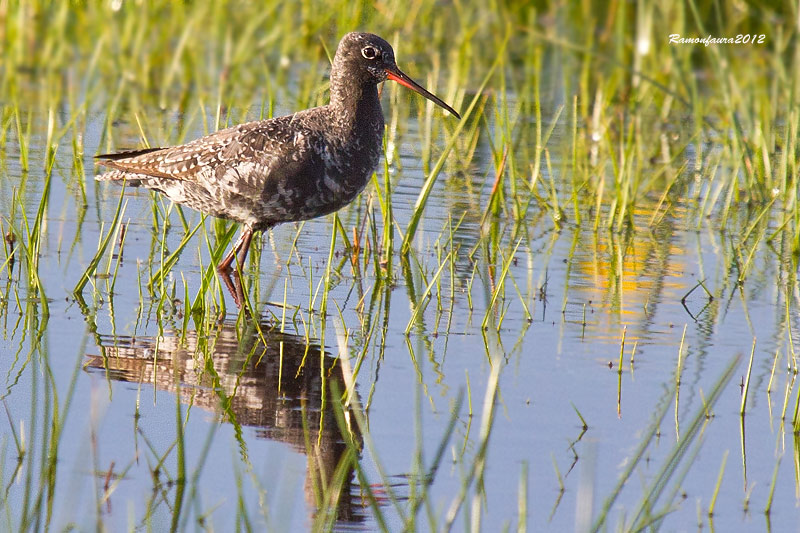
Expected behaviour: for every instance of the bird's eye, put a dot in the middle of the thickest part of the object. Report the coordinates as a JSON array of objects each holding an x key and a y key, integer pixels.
[{"x": 369, "y": 52}]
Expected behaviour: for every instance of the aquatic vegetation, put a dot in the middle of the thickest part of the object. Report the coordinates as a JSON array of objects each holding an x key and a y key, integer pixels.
[{"x": 566, "y": 311}]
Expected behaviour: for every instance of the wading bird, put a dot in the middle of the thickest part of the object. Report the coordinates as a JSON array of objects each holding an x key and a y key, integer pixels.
[{"x": 283, "y": 169}]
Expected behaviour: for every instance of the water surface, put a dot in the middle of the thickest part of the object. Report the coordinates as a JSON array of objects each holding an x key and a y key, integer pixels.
[{"x": 260, "y": 431}]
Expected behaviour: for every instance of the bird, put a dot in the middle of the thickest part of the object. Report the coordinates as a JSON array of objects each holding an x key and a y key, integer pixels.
[{"x": 284, "y": 169}]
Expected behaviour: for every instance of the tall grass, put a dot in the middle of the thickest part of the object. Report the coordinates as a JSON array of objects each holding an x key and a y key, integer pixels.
[{"x": 576, "y": 117}]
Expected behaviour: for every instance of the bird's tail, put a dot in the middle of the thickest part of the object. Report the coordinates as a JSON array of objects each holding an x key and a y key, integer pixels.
[{"x": 118, "y": 173}]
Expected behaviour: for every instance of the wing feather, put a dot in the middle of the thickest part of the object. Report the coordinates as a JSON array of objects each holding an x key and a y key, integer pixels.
[{"x": 250, "y": 152}]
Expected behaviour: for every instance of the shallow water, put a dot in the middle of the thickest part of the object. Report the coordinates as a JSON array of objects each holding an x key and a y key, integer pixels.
[{"x": 259, "y": 425}]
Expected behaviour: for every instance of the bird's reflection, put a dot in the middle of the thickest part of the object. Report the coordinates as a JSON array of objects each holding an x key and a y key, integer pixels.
[{"x": 250, "y": 375}]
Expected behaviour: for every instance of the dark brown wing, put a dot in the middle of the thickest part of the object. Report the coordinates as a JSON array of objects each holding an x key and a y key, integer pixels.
[
  {"x": 260, "y": 173},
  {"x": 256, "y": 149}
]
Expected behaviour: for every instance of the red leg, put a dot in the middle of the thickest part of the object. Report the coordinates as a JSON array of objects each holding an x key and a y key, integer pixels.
[
  {"x": 244, "y": 247},
  {"x": 238, "y": 251},
  {"x": 241, "y": 248}
]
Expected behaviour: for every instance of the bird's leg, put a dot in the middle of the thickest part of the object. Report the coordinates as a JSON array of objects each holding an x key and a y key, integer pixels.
[
  {"x": 238, "y": 251},
  {"x": 244, "y": 247},
  {"x": 240, "y": 248},
  {"x": 224, "y": 267}
]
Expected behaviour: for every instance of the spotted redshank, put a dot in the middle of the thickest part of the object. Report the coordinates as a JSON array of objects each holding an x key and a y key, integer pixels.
[{"x": 284, "y": 169}]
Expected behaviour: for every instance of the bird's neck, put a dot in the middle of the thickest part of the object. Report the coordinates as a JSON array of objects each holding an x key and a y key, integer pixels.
[{"x": 354, "y": 104}]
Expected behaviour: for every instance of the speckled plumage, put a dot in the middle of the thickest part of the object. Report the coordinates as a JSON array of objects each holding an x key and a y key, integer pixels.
[{"x": 289, "y": 168}]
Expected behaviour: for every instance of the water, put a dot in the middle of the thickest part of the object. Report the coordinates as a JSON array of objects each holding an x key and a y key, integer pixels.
[{"x": 259, "y": 425}]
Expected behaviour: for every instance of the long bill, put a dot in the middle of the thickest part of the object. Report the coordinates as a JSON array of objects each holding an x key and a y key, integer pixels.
[{"x": 395, "y": 74}]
